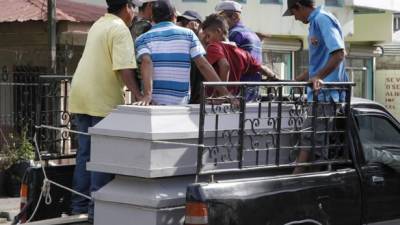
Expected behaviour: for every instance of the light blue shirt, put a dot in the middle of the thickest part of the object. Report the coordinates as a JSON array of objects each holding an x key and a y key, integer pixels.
[{"x": 325, "y": 36}]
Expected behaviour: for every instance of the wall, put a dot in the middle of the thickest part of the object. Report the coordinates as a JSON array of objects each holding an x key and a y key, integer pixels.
[
  {"x": 23, "y": 43},
  {"x": 387, "y": 90},
  {"x": 380, "y": 23},
  {"x": 386, "y": 79},
  {"x": 267, "y": 18}
]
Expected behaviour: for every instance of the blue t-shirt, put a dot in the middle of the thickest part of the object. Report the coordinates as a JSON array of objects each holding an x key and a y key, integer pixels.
[{"x": 325, "y": 36}]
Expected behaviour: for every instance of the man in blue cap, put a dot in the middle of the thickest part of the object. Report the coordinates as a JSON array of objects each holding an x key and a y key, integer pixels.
[
  {"x": 244, "y": 38},
  {"x": 326, "y": 62}
]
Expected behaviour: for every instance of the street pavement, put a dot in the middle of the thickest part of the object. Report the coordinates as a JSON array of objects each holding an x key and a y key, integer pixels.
[{"x": 10, "y": 206}]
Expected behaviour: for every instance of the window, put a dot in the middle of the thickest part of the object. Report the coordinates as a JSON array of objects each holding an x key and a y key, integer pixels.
[
  {"x": 360, "y": 71},
  {"x": 337, "y": 3},
  {"x": 280, "y": 62},
  {"x": 271, "y": 2},
  {"x": 380, "y": 140},
  {"x": 377, "y": 130},
  {"x": 301, "y": 62},
  {"x": 396, "y": 22}
]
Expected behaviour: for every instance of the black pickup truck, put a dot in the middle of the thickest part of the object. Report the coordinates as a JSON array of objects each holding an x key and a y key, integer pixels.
[{"x": 355, "y": 181}]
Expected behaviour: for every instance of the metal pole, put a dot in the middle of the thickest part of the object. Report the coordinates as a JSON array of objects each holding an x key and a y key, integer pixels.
[{"x": 51, "y": 21}]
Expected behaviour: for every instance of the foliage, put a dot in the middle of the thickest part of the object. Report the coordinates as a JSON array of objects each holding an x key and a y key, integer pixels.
[{"x": 17, "y": 149}]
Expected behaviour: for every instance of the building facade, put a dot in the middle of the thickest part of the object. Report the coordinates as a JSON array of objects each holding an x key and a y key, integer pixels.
[{"x": 366, "y": 25}]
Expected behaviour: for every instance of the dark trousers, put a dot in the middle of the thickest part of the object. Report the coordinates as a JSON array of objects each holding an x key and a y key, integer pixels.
[{"x": 84, "y": 181}]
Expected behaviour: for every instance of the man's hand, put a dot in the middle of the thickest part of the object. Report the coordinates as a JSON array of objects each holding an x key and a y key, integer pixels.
[
  {"x": 317, "y": 83},
  {"x": 144, "y": 101}
]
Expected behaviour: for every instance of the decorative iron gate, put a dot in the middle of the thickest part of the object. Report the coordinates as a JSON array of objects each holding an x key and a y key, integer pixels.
[{"x": 29, "y": 98}]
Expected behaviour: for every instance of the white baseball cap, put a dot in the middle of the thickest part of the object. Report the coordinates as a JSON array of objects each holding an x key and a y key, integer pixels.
[{"x": 228, "y": 5}]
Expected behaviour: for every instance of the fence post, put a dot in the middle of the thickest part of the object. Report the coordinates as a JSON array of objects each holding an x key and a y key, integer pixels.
[
  {"x": 242, "y": 117},
  {"x": 202, "y": 113}
]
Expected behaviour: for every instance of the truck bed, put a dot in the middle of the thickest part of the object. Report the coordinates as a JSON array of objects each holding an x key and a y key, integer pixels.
[{"x": 68, "y": 220}]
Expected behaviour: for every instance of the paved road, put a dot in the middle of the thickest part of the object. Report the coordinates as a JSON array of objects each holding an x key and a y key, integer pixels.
[{"x": 9, "y": 205}]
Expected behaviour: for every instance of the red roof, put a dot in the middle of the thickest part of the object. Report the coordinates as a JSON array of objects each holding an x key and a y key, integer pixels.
[{"x": 27, "y": 10}]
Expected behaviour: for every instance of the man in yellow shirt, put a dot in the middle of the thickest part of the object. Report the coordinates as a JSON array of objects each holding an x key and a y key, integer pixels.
[{"x": 106, "y": 65}]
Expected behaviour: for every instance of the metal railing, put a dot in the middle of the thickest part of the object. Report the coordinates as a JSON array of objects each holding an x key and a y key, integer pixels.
[
  {"x": 270, "y": 133},
  {"x": 29, "y": 98}
]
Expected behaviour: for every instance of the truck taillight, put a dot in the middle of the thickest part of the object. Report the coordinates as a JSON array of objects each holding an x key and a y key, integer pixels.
[
  {"x": 23, "y": 199},
  {"x": 196, "y": 213}
]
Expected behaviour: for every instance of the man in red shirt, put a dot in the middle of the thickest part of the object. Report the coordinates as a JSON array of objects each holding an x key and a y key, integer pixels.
[{"x": 230, "y": 61}]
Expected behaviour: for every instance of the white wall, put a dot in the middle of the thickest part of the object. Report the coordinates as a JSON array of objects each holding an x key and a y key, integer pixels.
[
  {"x": 377, "y": 27},
  {"x": 391, "y": 5},
  {"x": 267, "y": 18}
]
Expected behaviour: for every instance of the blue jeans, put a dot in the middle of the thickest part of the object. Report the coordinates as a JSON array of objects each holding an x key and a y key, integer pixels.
[{"x": 84, "y": 181}]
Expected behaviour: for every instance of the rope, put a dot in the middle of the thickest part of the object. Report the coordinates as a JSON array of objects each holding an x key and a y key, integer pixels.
[
  {"x": 62, "y": 129},
  {"x": 46, "y": 186}
]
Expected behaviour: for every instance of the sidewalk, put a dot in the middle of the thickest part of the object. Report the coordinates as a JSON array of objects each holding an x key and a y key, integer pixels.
[{"x": 9, "y": 205}]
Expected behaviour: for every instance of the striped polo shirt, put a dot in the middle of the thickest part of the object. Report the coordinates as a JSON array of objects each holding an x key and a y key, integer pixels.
[{"x": 171, "y": 49}]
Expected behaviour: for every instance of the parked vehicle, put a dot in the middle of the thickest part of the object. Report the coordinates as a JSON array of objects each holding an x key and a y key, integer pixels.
[
  {"x": 343, "y": 188},
  {"x": 245, "y": 175}
]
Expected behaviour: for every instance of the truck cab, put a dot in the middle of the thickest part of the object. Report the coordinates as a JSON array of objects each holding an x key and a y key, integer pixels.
[{"x": 357, "y": 183}]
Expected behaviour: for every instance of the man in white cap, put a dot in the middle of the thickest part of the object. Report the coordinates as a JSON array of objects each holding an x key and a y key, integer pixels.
[
  {"x": 244, "y": 38},
  {"x": 142, "y": 22}
]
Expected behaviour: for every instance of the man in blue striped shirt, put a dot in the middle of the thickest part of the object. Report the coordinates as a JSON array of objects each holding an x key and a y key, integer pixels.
[{"x": 165, "y": 53}]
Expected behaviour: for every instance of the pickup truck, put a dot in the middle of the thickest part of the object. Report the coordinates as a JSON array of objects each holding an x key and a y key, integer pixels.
[
  {"x": 347, "y": 187},
  {"x": 248, "y": 178}
]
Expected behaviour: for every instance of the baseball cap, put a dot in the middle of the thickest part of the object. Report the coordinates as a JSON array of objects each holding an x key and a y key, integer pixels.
[
  {"x": 228, "y": 6},
  {"x": 111, "y": 3},
  {"x": 290, "y": 4},
  {"x": 191, "y": 15}
]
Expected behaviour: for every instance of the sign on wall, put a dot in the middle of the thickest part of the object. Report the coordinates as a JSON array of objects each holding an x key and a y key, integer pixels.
[{"x": 387, "y": 90}]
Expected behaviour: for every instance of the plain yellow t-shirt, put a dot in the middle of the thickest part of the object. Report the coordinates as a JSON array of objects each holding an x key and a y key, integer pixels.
[{"x": 97, "y": 87}]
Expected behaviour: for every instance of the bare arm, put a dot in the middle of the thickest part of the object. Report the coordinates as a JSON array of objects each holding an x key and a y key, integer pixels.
[
  {"x": 303, "y": 76},
  {"x": 209, "y": 73},
  {"x": 146, "y": 69},
  {"x": 128, "y": 76},
  {"x": 224, "y": 69},
  {"x": 336, "y": 58},
  {"x": 270, "y": 74}
]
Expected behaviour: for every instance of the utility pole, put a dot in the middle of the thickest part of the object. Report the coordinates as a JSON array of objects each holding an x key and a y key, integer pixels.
[{"x": 51, "y": 21}]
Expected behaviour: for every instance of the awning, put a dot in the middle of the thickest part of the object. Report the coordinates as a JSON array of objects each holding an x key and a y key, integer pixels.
[
  {"x": 365, "y": 51},
  {"x": 282, "y": 45}
]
